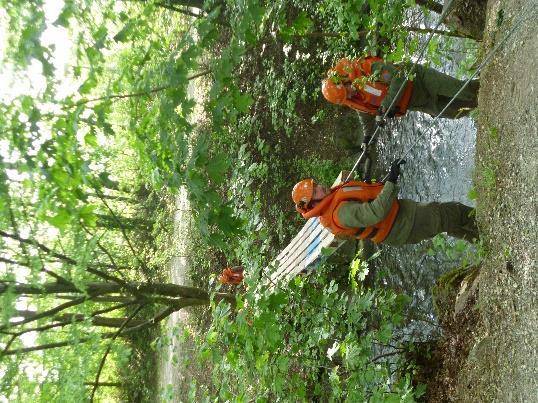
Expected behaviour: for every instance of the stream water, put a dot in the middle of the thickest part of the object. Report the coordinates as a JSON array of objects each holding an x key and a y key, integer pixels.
[
  {"x": 172, "y": 349},
  {"x": 439, "y": 168}
]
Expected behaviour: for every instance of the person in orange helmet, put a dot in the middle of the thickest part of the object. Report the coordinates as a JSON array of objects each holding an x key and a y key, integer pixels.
[
  {"x": 232, "y": 275},
  {"x": 370, "y": 85},
  {"x": 373, "y": 211}
]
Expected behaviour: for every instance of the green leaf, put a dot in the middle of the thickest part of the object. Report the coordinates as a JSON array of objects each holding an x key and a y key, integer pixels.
[
  {"x": 61, "y": 219},
  {"x": 91, "y": 139},
  {"x": 104, "y": 177},
  {"x": 277, "y": 299},
  {"x": 242, "y": 102},
  {"x": 123, "y": 34},
  {"x": 217, "y": 166},
  {"x": 65, "y": 15},
  {"x": 212, "y": 337},
  {"x": 473, "y": 194},
  {"x": 88, "y": 85},
  {"x": 261, "y": 361},
  {"x": 327, "y": 251},
  {"x": 88, "y": 216},
  {"x": 302, "y": 24}
]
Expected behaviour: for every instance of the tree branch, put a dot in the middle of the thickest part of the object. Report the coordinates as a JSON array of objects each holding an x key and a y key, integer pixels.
[
  {"x": 99, "y": 194},
  {"x": 118, "y": 299},
  {"x": 179, "y": 10},
  {"x": 405, "y": 28},
  {"x": 103, "y": 249},
  {"x": 102, "y": 384},
  {"x": 102, "y": 363},
  {"x": 28, "y": 314},
  {"x": 438, "y": 32},
  {"x": 385, "y": 355},
  {"x": 8, "y": 345},
  {"x": 47, "y": 313},
  {"x": 57, "y": 277},
  {"x": 431, "y": 5},
  {"x": 136, "y": 94},
  {"x": 69, "y": 318},
  {"x": 68, "y": 260},
  {"x": 152, "y": 322}
]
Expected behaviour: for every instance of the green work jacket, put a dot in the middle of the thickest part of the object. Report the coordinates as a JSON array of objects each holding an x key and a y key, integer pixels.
[{"x": 358, "y": 215}]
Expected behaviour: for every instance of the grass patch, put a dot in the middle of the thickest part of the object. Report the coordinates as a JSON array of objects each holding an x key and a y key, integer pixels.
[{"x": 489, "y": 175}]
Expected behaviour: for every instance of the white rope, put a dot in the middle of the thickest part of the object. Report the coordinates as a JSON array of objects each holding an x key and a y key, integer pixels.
[
  {"x": 400, "y": 90},
  {"x": 484, "y": 62}
]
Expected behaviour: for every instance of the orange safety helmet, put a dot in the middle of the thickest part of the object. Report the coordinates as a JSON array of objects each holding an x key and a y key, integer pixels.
[
  {"x": 302, "y": 194},
  {"x": 232, "y": 275},
  {"x": 335, "y": 93}
]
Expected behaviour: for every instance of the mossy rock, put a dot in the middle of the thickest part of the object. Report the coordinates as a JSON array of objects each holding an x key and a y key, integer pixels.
[
  {"x": 447, "y": 288},
  {"x": 466, "y": 16}
]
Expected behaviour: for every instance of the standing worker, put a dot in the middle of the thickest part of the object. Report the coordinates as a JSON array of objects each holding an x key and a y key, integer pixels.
[
  {"x": 373, "y": 211},
  {"x": 370, "y": 85}
]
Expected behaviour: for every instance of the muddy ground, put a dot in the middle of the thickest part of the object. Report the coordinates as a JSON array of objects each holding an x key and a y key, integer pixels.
[{"x": 502, "y": 364}]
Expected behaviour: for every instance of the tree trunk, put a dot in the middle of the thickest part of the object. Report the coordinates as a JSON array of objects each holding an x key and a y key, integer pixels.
[
  {"x": 182, "y": 3},
  {"x": 455, "y": 34},
  {"x": 103, "y": 299},
  {"x": 102, "y": 288},
  {"x": 431, "y": 5},
  {"x": 99, "y": 320},
  {"x": 115, "y": 198},
  {"x": 185, "y": 3}
]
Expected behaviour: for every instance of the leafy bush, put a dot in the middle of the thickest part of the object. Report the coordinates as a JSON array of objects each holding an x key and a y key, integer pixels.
[{"x": 308, "y": 340}]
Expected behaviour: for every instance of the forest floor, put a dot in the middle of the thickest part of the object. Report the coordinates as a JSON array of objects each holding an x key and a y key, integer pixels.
[{"x": 502, "y": 364}]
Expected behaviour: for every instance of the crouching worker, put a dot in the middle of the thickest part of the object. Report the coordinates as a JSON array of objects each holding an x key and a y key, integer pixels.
[
  {"x": 373, "y": 211},
  {"x": 232, "y": 275}
]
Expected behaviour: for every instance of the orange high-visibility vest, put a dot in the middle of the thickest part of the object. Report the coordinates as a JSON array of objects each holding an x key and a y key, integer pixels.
[
  {"x": 370, "y": 94},
  {"x": 327, "y": 211}
]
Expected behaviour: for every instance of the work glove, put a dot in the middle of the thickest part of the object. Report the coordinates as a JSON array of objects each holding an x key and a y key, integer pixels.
[
  {"x": 379, "y": 121},
  {"x": 394, "y": 172},
  {"x": 391, "y": 113},
  {"x": 365, "y": 141},
  {"x": 381, "y": 112}
]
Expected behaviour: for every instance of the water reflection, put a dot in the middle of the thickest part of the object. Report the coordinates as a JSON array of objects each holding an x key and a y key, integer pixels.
[{"x": 439, "y": 168}]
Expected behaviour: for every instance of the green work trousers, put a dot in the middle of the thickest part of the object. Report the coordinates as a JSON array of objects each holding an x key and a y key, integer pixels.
[
  {"x": 433, "y": 90},
  {"x": 454, "y": 218}
]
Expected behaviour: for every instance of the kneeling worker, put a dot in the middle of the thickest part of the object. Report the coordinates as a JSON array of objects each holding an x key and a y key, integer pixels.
[{"x": 373, "y": 211}]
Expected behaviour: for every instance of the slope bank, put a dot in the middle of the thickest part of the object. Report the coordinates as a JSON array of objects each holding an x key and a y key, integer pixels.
[{"x": 502, "y": 364}]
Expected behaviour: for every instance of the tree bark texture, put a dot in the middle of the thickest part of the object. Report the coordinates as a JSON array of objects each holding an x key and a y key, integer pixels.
[{"x": 96, "y": 288}]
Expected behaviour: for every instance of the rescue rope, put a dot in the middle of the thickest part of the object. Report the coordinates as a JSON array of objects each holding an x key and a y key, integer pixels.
[
  {"x": 400, "y": 90},
  {"x": 486, "y": 60}
]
